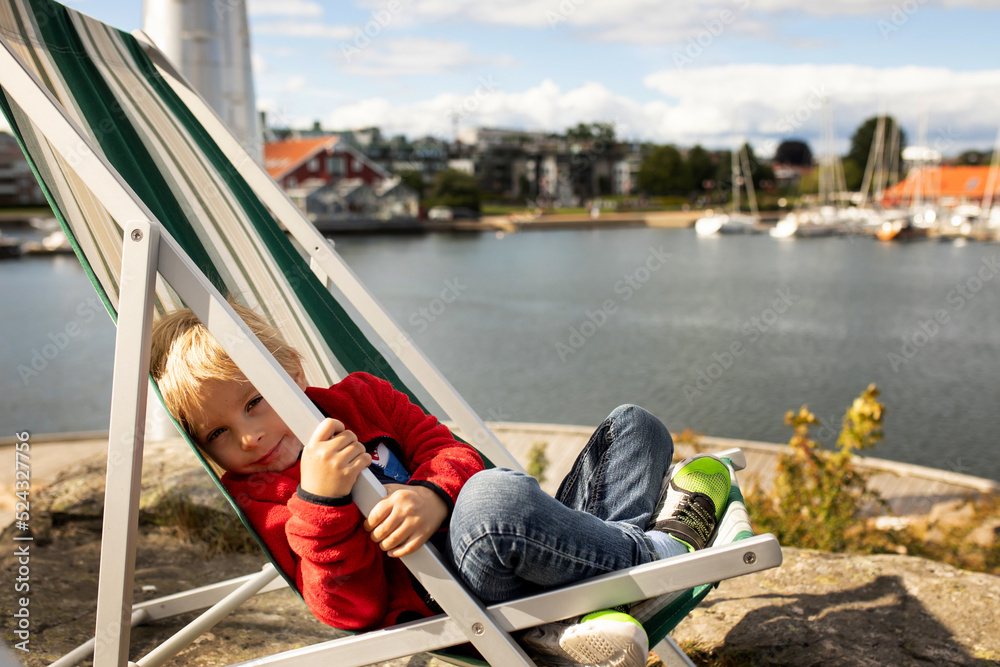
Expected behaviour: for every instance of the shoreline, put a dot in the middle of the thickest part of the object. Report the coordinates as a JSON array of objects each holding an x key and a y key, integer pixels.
[{"x": 910, "y": 490}]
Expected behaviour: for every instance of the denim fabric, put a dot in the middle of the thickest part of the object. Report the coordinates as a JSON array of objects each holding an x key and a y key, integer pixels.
[{"x": 508, "y": 538}]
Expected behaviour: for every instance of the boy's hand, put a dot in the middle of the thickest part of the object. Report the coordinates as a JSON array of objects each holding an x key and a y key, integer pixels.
[
  {"x": 332, "y": 460},
  {"x": 402, "y": 521}
]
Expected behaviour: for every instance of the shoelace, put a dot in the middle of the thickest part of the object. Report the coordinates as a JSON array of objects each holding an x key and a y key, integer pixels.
[{"x": 698, "y": 512}]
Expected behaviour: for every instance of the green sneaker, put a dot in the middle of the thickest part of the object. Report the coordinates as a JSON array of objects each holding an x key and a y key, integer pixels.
[
  {"x": 606, "y": 638},
  {"x": 692, "y": 500}
]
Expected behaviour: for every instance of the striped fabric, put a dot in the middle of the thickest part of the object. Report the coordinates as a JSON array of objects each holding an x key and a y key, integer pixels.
[
  {"x": 113, "y": 92},
  {"x": 109, "y": 87}
]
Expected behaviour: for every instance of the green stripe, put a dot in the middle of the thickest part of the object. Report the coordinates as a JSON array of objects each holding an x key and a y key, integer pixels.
[
  {"x": 664, "y": 621},
  {"x": 344, "y": 337},
  {"x": 118, "y": 139}
]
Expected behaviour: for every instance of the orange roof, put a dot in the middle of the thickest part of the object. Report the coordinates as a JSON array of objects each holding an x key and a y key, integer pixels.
[
  {"x": 963, "y": 182},
  {"x": 281, "y": 157}
]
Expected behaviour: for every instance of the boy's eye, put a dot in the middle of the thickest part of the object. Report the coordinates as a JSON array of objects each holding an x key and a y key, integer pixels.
[
  {"x": 254, "y": 402},
  {"x": 214, "y": 434}
]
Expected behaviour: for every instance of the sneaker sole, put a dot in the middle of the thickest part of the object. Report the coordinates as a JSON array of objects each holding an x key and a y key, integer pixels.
[{"x": 611, "y": 644}]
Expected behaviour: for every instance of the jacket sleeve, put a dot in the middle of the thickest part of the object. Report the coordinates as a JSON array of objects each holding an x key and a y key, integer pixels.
[
  {"x": 340, "y": 570},
  {"x": 431, "y": 453}
]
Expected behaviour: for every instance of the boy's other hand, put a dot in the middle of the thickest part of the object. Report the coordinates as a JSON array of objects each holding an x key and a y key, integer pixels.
[
  {"x": 401, "y": 522},
  {"x": 332, "y": 460}
]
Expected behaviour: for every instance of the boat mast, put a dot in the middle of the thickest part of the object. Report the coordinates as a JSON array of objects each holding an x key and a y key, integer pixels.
[
  {"x": 735, "y": 176},
  {"x": 991, "y": 182},
  {"x": 873, "y": 157},
  {"x": 748, "y": 179}
]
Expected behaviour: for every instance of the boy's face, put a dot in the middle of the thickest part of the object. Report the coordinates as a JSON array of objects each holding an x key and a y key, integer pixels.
[{"x": 241, "y": 431}]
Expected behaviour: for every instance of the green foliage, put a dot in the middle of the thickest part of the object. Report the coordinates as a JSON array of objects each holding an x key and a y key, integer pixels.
[
  {"x": 861, "y": 145},
  {"x": 415, "y": 180},
  {"x": 664, "y": 172},
  {"x": 724, "y": 170},
  {"x": 602, "y": 131},
  {"x": 758, "y": 171},
  {"x": 820, "y": 501},
  {"x": 818, "y": 493},
  {"x": 793, "y": 151},
  {"x": 456, "y": 189},
  {"x": 701, "y": 166},
  {"x": 538, "y": 462},
  {"x": 974, "y": 157},
  {"x": 809, "y": 183}
]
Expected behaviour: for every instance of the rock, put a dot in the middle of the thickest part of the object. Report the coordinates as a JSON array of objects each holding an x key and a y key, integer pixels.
[
  {"x": 816, "y": 609},
  {"x": 985, "y": 535},
  {"x": 821, "y": 609},
  {"x": 951, "y": 514}
]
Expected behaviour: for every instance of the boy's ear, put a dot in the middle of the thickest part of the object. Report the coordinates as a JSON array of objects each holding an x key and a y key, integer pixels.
[{"x": 300, "y": 379}]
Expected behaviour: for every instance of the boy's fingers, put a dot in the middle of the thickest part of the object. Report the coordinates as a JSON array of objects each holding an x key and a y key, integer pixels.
[
  {"x": 377, "y": 516},
  {"x": 327, "y": 428}
]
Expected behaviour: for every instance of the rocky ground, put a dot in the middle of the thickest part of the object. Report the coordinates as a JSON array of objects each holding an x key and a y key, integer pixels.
[{"x": 816, "y": 609}]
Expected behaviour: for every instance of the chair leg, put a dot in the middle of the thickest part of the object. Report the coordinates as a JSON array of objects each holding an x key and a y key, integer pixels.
[
  {"x": 671, "y": 654},
  {"x": 125, "y": 438}
]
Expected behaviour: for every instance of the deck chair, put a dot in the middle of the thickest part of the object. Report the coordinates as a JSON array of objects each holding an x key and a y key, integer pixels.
[{"x": 165, "y": 208}]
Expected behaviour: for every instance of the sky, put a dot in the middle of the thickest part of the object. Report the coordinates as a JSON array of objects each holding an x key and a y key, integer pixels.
[{"x": 694, "y": 71}]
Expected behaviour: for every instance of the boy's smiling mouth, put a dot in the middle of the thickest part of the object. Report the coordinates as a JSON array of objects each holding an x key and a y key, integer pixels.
[{"x": 264, "y": 460}]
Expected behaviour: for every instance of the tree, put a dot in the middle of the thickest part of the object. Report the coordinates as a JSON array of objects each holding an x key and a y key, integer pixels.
[
  {"x": 583, "y": 131},
  {"x": 664, "y": 172},
  {"x": 972, "y": 157},
  {"x": 414, "y": 179},
  {"x": 701, "y": 166},
  {"x": 456, "y": 189},
  {"x": 861, "y": 146},
  {"x": 794, "y": 152},
  {"x": 759, "y": 172}
]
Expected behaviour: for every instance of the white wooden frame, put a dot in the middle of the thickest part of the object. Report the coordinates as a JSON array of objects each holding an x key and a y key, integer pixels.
[{"x": 149, "y": 250}]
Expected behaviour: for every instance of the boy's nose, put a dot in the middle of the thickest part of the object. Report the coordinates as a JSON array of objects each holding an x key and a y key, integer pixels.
[{"x": 251, "y": 440}]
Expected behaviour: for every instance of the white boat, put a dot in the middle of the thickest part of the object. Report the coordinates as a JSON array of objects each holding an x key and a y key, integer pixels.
[
  {"x": 725, "y": 223},
  {"x": 734, "y": 222},
  {"x": 827, "y": 215}
]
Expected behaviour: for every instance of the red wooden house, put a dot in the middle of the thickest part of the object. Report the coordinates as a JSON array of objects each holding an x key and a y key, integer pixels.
[{"x": 294, "y": 162}]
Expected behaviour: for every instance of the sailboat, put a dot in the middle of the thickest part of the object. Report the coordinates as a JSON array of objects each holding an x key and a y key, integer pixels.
[
  {"x": 987, "y": 225},
  {"x": 828, "y": 216},
  {"x": 734, "y": 222}
]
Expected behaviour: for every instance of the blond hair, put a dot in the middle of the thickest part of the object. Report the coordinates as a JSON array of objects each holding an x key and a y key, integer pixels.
[{"x": 185, "y": 355}]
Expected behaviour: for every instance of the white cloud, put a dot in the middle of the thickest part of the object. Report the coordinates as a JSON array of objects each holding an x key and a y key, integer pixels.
[
  {"x": 653, "y": 21},
  {"x": 410, "y": 57},
  {"x": 295, "y": 83},
  {"x": 294, "y": 28},
  {"x": 284, "y": 8},
  {"x": 717, "y": 106}
]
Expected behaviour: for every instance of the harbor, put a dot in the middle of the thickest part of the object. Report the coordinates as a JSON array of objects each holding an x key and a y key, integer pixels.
[{"x": 560, "y": 326}]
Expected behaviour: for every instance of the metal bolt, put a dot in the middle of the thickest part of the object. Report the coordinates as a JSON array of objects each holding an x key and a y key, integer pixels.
[
  {"x": 136, "y": 235},
  {"x": 749, "y": 558},
  {"x": 478, "y": 629}
]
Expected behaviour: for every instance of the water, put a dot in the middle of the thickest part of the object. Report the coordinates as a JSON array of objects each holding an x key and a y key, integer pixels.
[{"x": 720, "y": 335}]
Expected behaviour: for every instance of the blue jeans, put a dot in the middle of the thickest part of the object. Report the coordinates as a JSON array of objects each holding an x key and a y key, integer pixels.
[{"x": 508, "y": 538}]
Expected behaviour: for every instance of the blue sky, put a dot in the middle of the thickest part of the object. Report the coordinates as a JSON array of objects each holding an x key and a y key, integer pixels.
[{"x": 700, "y": 71}]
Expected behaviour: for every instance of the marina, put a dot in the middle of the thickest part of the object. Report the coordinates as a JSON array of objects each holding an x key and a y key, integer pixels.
[{"x": 562, "y": 326}]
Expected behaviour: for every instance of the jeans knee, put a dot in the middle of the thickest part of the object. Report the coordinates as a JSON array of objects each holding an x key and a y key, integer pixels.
[
  {"x": 493, "y": 494},
  {"x": 640, "y": 419}
]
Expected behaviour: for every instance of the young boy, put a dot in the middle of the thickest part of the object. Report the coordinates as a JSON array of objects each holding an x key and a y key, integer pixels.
[{"x": 504, "y": 535}]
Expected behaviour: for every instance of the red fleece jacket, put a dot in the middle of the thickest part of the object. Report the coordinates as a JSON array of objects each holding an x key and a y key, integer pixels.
[{"x": 347, "y": 581}]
